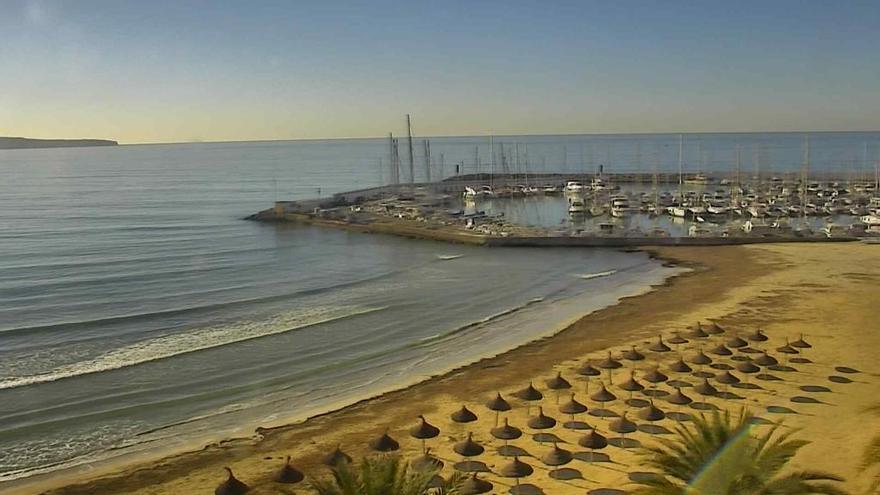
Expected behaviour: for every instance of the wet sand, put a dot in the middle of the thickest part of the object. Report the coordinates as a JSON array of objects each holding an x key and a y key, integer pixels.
[{"x": 827, "y": 291}]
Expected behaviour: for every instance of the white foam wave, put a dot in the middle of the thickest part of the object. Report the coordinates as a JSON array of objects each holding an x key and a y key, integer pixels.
[
  {"x": 588, "y": 276},
  {"x": 191, "y": 341}
]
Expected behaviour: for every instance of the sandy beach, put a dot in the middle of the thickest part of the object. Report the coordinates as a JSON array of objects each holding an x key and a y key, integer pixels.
[{"x": 828, "y": 292}]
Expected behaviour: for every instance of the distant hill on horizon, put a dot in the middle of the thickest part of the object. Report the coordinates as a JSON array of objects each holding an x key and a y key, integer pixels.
[{"x": 12, "y": 143}]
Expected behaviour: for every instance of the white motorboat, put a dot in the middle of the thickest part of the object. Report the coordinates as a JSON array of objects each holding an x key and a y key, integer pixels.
[
  {"x": 576, "y": 205},
  {"x": 870, "y": 220},
  {"x": 574, "y": 186}
]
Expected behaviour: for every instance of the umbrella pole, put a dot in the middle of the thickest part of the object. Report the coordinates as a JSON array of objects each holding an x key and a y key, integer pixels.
[
  {"x": 496, "y": 418},
  {"x": 424, "y": 448}
]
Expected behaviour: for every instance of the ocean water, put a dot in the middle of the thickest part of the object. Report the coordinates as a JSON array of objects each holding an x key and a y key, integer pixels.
[{"x": 138, "y": 311}]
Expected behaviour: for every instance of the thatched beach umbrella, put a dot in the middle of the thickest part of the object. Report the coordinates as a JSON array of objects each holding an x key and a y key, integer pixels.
[
  {"x": 701, "y": 359},
  {"x": 603, "y": 395},
  {"x": 423, "y": 431},
  {"x": 232, "y": 486},
  {"x": 631, "y": 385},
  {"x": 677, "y": 339},
  {"x": 427, "y": 462},
  {"x": 680, "y": 367},
  {"x": 516, "y": 469},
  {"x": 697, "y": 332},
  {"x": 632, "y": 354},
  {"x": 475, "y": 486},
  {"x": 587, "y": 370},
  {"x": 572, "y": 407},
  {"x": 384, "y": 443},
  {"x": 506, "y": 432},
  {"x": 659, "y": 346},
  {"x": 463, "y": 415},
  {"x": 556, "y": 457},
  {"x": 766, "y": 360},
  {"x": 747, "y": 367},
  {"x": 800, "y": 343},
  {"x": 499, "y": 405},
  {"x": 758, "y": 336},
  {"x": 705, "y": 389},
  {"x": 468, "y": 447},
  {"x": 541, "y": 421},
  {"x": 720, "y": 350},
  {"x": 679, "y": 398},
  {"x": 736, "y": 342},
  {"x": 558, "y": 383},
  {"x": 609, "y": 364},
  {"x": 623, "y": 426},
  {"x": 787, "y": 349},
  {"x": 651, "y": 413},
  {"x": 336, "y": 457},
  {"x": 655, "y": 376},
  {"x": 713, "y": 328},
  {"x": 727, "y": 378},
  {"x": 288, "y": 474}
]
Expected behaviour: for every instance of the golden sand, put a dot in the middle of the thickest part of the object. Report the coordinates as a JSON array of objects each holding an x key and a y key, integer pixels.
[{"x": 829, "y": 292}]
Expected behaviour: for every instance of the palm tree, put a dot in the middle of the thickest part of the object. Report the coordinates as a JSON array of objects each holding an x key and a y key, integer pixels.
[
  {"x": 721, "y": 455},
  {"x": 871, "y": 456},
  {"x": 384, "y": 475}
]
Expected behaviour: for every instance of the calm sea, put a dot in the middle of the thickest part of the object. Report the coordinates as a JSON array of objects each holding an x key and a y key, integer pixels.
[{"x": 138, "y": 311}]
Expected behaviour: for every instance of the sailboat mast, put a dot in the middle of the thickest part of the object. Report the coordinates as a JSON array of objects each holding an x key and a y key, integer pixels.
[
  {"x": 680, "y": 167},
  {"x": 412, "y": 175}
]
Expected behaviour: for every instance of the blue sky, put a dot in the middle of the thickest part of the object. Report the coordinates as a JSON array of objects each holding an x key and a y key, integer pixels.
[{"x": 212, "y": 70}]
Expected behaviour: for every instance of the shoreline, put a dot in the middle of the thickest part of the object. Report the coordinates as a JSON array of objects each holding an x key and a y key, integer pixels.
[
  {"x": 738, "y": 286},
  {"x": 106, "y": 475}
]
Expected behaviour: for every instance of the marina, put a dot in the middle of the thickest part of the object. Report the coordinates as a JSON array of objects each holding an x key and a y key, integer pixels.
[{"x": 630, "y": 209}]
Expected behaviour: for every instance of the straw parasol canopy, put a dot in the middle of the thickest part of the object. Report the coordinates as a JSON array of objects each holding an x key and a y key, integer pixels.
[
  {"x": 800, "y": 343},
  {"x": 232, "y": 486},
  {"x": 720, "y": 350},
  {"x": 384, "y": 443},
  {"x": 747, "y": 367},
  {"x": 463, "y": 415},
  {"x": 468, "y": 447},
  {"x": 556, "y": 457},
  {"x": 516, "y": 469},
  {"x": 713, "y": 328},
  {"x": 609, "y": 363},
  {"x": 659, "y": 346},
  {"x": 697, "y": 332},
  {"x": 593, "y": 440},
  {"x": 705, "y": 388},
  {"x": 701, "y": 358},
  {"x": 655, "y": 376},
  {"x": 506, "y": 432},
  {"x": 558, "y": 383},
  {"x": 288, "y": 474},
  {"x": 622, "y": 425},
  {"x": 424, "y": 430},
  {"x": 529, "y": 393},
  {"x": 736, "y": 342},
  {"x": 758, "y": 336},
  {"x": 727, "y": 378},
  {"x": 677, "y": 339},
  {"x": 498, "y": 404},
  {"x": 572, "y": 407},
  {"x": 541, "y": 421},
  {"x": 652, "y": 413},
  {"x": 588, "y": 370},
  {"x": 475, "y": 486},
  {"x": 632, "y": 355},
  {"x": 766, "y": 360},
  {"x": 603, "y": 395},
  {"x": 680, "y": 367},
  {"x": 679, "y": 398},
  {"x": 631, "y": 385},
  {"x": 336, "y": 457},
  {"x": 426, "y": 461},
  {"x": 787, "y": 349}
]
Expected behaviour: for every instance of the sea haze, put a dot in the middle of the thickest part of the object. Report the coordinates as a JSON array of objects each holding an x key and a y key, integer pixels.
[{"x": 138, "y": 311}]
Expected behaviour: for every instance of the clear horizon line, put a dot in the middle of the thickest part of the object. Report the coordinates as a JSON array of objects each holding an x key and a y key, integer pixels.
[{"x": 342, "y": 138}]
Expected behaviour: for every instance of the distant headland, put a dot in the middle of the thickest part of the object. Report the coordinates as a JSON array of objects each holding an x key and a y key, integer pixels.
[{"x": 11, "y": 143}]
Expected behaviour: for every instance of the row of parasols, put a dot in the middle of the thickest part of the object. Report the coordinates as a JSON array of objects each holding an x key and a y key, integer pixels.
[{"x": 592, "y": 439}]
